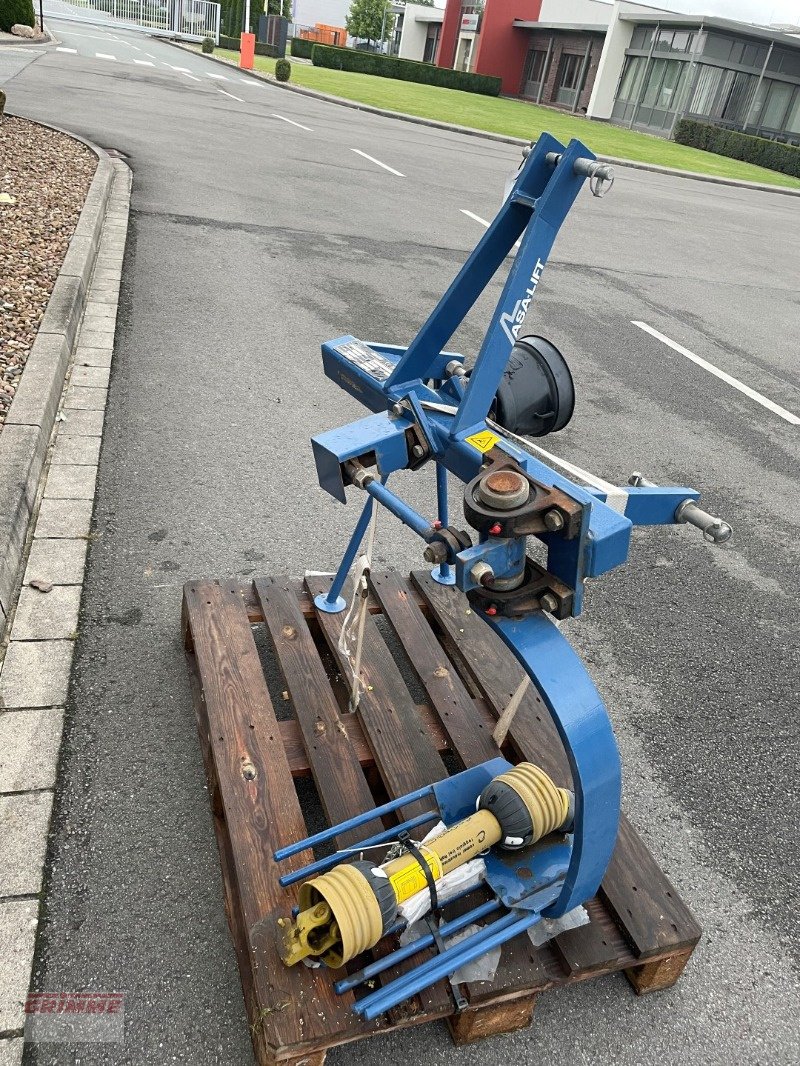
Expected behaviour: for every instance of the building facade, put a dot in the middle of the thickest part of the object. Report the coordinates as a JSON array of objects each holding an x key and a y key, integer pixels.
[{"x": 632, "y": 64}]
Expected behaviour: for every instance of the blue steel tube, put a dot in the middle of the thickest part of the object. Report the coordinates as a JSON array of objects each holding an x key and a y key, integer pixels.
[
  {"x": 343, "y": 856},
  {"x": 353, "y": 823},
  {"x": 400, "y": 509},
  {"x": 424, "y": 941},
  {"x": 504, "y": 929},
  {"x": 331, "y": 597},
  {"x": 442, "y": 506}
]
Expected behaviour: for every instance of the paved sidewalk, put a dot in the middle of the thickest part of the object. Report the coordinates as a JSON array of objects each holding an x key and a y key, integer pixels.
[{"x": 35, "y": 673}]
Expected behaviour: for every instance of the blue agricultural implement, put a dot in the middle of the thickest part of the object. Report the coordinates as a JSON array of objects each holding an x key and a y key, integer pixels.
[{"x": 546, "y": 849}]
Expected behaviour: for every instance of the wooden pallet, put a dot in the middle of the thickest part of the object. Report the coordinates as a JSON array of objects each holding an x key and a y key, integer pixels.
[{"x": 272, "y": 707}]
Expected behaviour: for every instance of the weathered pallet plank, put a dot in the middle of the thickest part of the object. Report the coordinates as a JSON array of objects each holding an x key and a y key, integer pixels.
[{"x": 334, "y": 762}]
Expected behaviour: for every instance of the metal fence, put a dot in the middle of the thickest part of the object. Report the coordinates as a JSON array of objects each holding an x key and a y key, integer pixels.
[{"x": 191, "y": 20}]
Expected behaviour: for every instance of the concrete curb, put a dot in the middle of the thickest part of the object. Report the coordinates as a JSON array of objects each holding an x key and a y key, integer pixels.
[
  {"x": 29, "y": 425},
  {"x": 36, "y": 670},
  {"x": 467, "y": 131}
]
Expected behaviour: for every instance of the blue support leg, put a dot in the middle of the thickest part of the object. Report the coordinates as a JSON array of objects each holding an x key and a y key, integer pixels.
[
  {"x": 332, "y": 601},
  {"x": 444, "y": 573}
]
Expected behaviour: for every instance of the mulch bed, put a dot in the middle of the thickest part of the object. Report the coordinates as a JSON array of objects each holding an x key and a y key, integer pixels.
[{"x": 48, "y": 174}]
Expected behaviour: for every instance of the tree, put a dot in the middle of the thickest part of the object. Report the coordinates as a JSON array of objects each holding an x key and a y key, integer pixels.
[
  {"x": 287, "y": 9},
  {"x": 367, "y": 18}
]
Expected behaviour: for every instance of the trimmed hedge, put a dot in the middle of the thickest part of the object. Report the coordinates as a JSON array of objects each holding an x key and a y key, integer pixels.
[
  {"x": 13, "y": 12},
  {"x": 325, "y": 55},
  {"x": 300, "y": 48},
  {"x": 231, "y": 43},
  {"x": 785, "y": 158}
]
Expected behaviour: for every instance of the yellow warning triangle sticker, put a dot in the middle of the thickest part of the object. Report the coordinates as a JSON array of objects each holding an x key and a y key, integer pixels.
[{"x": 483, "y": 441}]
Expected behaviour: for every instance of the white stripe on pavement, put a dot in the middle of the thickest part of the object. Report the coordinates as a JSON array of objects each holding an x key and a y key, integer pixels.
[
  {"x": 482, "y": 221},
  {"x": 103, "y": 55},
  {"x": 241, "y": 101},
  {"x": 72, "y": 51},
  {"x": 219, "y": 77},
  {"x": 377, "y": 162},
  {"x": 475, "y": 218},
  {"x": 733, "y": 382},
  {"x": 186, "y": 74},
  {"x": 180, "y": 70},
  {"x": 144, "y": 62},
  {"x": 292, "y": 122}
]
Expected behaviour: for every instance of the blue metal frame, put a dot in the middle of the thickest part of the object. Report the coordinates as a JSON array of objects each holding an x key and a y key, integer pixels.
[{"x": 415, "y": 396}]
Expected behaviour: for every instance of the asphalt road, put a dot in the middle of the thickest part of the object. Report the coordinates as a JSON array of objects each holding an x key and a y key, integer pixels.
[{"x": 256, "y": 232}]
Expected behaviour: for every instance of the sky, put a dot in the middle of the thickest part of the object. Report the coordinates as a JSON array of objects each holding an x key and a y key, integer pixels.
[{"x": 763, "y": 12}]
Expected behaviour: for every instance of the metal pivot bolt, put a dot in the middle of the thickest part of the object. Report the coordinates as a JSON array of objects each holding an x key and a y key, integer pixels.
[
  {"x": 504, "y": 489},
  {"x": 435, "y": 553},
  {"x": 398, "y": 409},
  {"x": 554, "y": 520},
  {"x": 482, "y": 573},
  {"x": 418, "y": 451},
  {"x": 548, "y": 602},
  {"x": 713, "y": 528}
]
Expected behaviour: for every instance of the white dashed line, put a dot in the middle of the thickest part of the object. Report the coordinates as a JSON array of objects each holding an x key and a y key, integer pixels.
[
  {"x": 180, "y": 70},
  {"x": 241, "y": 101},
  {"x": 186, "y": 74},
  {"x": 291, "y": 122},
  {"x": 72, "y": 51},
  {"x": 475, "y": 218},
  {"x": 733, "y": 382},
  {"x": 481, "y": 221},
  {"x": 103, "y": 55},
  {"x": 219, "y": 77},
  {"x": 150, "y": 56},
  {"x": 377, "y": 162},
  {"x": 144, "y": 62}
]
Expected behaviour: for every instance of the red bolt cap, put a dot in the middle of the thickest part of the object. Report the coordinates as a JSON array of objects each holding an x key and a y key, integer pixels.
[
  {"x": 491, "y": 610},
  {"x": 496, "y": 529},
  {"x": 437, "y": 524}
]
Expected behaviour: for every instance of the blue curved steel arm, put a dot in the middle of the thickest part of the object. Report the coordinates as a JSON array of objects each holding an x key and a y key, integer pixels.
[{"x": 585, "y": 730}]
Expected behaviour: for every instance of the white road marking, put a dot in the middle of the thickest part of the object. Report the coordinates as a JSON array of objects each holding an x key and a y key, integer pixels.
[
  {"x": 241, "y": 101},
  {"x": 247, "y": 81},
  {"x": 102, "y": 55},
  {"x": 475, "y": 218},
  {"x": 150, "y": 56},
  {"x": 180, "y": 70},
  {"x": 291, "y": 122},
  {"x": 219, "y": 77},
  {"x": 72, "y": 51},
  {"x": 144, "y": 62},
  {"x": 733, "y": 382},
  {"x": 377, "y": 162},
  {"x": 186, "y": 74},
  {"x": 482, "y": 221}
]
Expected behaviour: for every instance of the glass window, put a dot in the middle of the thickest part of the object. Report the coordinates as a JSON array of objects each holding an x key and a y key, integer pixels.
[
  {"x": 718, "y": 47},
  {"x": 631, "y": 83},
  {"x": 664, "y": 40},
  {"x": 667, "y": 94},
  {"x": 780, "y": 94},
  {"x": 754, "y": 55},
  {"x": 737, "y": 105},
  {"x": 653, "y": 86},
  {"x": 792, "y": 123},
  {"x": 534, "y": 69},
  {"x": 790, "y": 64},
  {"x": 642, "y": 36},
  {"x": 681, "y": 41},
  {"x": 705, "y": 90},
  {"x": 569, "y": 70}
]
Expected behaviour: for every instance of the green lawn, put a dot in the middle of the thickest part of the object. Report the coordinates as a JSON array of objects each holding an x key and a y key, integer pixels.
[{"x": 515, "y": 119}]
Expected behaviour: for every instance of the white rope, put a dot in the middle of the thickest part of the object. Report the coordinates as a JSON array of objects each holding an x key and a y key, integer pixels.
[{"x": 355, "y": 619}]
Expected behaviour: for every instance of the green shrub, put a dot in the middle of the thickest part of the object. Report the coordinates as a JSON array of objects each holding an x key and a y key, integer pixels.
[
  {"x": 300, "y": 48},
  {"x": 324, "y": 55},
  {"x": 13, "y": 12},
  {"x": 233, "y": 44},
  {"x": 785, "y": 158},
  {"x": 283, "y": 70},
  {"x": 208, "y": 45}
]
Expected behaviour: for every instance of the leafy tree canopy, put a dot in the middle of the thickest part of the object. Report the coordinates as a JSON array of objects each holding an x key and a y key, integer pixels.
[{"x": 366, "y": 18}]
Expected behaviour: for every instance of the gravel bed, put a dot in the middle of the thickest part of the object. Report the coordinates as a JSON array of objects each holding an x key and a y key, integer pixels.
[{"x": 48, "y": 175}]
